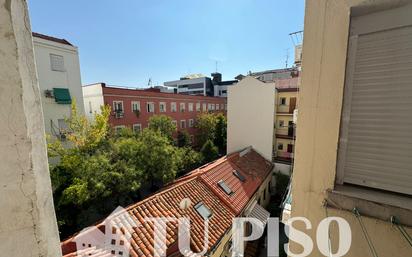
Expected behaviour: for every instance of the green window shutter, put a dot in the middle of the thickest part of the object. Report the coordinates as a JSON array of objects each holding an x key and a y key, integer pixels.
[{"x": 62, "y": 95}]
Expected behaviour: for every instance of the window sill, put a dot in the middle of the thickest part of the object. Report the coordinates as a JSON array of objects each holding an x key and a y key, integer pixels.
[{"x": 372, "y": 203}]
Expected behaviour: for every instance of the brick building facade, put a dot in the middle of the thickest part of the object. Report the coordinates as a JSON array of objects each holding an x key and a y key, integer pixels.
[{"x": 133, "y": 107}]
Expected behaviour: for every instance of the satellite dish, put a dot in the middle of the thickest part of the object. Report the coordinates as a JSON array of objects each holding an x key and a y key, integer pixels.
[{"x": 185, "y": 203}]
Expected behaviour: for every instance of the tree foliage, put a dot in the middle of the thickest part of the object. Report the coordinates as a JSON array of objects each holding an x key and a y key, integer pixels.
[
  {"x": 212, "y": 127},
  {"x": 163, "y": 124},
  {"x": 209, "y": 151},
  {"x": 206, "y": 125},
  {"x": 189, "y": 159},
  {"x": 220, "y": 138},
  {"x": 183, "y": 139},
  {"x": 97, "y": 170}
]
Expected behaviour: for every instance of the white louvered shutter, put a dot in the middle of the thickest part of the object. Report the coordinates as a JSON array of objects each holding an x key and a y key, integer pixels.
[{"x": 376, "y": 135}]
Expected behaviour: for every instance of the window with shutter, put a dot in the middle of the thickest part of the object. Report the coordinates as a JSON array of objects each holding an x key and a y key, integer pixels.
[
  {"x": 375, "y": 148},
  {"x": 56, "y": 62}
]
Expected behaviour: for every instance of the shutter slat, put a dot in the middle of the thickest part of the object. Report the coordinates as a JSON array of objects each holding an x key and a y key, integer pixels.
[{"x": 379, "y": 137}]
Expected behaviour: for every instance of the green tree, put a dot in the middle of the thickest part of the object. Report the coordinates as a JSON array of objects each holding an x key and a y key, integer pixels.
[
  {"x": 157, "y": 157},
  {"x": 183, "y": 139},
  {"x": 209, "y": 151},
  {"x": 188, "y": 160},
  {"x": 206, "y": 124},
  {"x": 221, "y": 133},
  {"x": 163, "y": 124},
  {"x": 93, "y": 168}
]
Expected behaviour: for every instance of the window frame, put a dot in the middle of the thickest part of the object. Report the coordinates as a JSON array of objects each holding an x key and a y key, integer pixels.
[
  {"x": 137, "y": 103},
  {"x": 191, "y": 123},
  {"x": 173, "y": 107},
  {"x": 182, "y": 105},
  {"x": 137, "y": 125},
  {"x": 201, "y": 204},
  {"x": 164, "y": 107},
  {"x": 114, "y": 106},
  {"x": 150, "y": 104},
  {"x": 52, "y": 64},
  {"x": 184, "y": 122}
]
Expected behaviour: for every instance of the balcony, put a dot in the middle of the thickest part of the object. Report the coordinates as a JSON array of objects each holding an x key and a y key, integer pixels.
[
  {"x": 285, "y": 109},
  {"x": 118, "y": 114},
  {"x": 283, "y": 157}
]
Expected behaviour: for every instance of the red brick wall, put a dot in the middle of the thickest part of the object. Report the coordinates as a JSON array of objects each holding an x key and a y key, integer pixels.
[{"x": 130, "y": 118}]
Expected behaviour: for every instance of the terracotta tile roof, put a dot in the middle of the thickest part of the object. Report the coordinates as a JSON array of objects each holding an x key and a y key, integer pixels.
[
  {"x": 199, "y": 185},
  {"x": 252, "y": 166},
  {"x": 54, "y": 39}
]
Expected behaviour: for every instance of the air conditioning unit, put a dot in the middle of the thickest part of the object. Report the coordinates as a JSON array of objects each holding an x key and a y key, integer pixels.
[{"x": 119, "y": 114}]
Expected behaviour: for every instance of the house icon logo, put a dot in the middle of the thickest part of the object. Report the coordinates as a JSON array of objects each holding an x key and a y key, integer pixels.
[{"x": 109, "y": 238}]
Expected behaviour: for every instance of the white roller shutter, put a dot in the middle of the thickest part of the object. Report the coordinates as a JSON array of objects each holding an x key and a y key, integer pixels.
[{"x": 376, "y": 135}]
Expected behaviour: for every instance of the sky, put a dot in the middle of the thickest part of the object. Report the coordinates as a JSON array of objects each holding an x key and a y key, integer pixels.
[{"x": 126, "y": 42}]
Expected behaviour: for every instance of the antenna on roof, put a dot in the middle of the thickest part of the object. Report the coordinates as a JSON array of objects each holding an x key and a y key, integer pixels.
[
  {"x": 287, "y": 57},
  {"x": 297, "y": 37},
  {"x": 149, "y": 83},
  {"x": 216, "y": 66}
]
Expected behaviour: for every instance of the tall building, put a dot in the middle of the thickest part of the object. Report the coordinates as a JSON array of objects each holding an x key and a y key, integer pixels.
[
  {"x": 221, "y": 87},
  {"x": 58, "y": 71},
  {"x": 194, "y": 84},
  {"x": 354, "y": 129},
  {"x": 285, "y": 132},
  {"x": 198, "y": 84},
  {"x": 133, "y": 107}
]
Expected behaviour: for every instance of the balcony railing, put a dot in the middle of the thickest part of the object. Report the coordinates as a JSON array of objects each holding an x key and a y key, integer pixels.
[{"x": 284, "y": 108}]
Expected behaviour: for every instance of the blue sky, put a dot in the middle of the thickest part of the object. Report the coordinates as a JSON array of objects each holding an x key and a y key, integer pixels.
[{"x": 126, "y": 42}]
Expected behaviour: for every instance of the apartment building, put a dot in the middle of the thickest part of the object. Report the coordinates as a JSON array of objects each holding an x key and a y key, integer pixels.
[
  {"x": 285, "y": 132},
  {"x": 58, "y": 71},
  {"x": 237, "y": 185},
  {"x": 132, "y": 108},
  {"x": 353, "y": 148},
  {"x": 251, "y": 115},
  {"x": 221, "y": 87},
  {"x": 194, "y": 84},
  {"x": 282, "y": 86},
  {"x": 198, "y": 84},
  {"x": 269, "y": 76}
]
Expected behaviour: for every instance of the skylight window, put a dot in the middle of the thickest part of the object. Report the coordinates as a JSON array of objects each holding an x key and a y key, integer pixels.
[
  {"x": 239, "y": 176},
  {"x": 225, "y": 187},
  {"x": 203, "y": 210}
]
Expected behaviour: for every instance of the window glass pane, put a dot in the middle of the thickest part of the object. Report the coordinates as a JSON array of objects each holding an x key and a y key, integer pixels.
[{"x": 203, "y": 211}]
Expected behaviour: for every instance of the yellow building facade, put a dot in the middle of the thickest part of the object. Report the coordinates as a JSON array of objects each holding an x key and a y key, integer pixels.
[
  {"x": 284, "y": 137},
  {"x": 320, "y": 183}
]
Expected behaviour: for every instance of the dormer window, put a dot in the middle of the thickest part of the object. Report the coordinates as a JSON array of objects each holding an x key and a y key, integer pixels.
[
  {"x": 203, "y": 211},
  {"x": 225, "y": 187},
  {"x": 239, "y": 175}
]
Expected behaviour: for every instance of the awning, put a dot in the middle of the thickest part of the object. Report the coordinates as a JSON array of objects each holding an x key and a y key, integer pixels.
[
  {"x": 62, "y": 95},
  {"x": 260, "y": 213}
]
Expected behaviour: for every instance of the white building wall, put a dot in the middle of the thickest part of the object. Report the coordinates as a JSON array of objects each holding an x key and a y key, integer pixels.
[
  {"x": 251, "y": 114},
  {"x": 49, "y": 79},
  {"x": 93, "y": 99}
]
